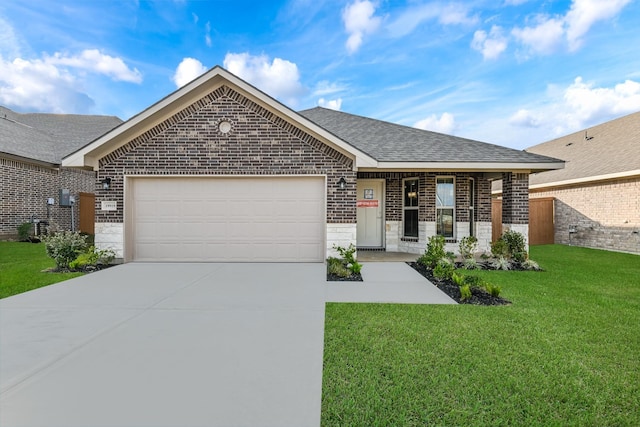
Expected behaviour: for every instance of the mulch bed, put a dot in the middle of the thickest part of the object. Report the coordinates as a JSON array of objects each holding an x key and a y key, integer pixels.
[
  {"x": 352, "y": 278},
  {"x": 478, "y": 295}
]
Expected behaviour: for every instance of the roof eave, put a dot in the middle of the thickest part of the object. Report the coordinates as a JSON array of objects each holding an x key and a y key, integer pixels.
[{"x": 468, "y": 166}]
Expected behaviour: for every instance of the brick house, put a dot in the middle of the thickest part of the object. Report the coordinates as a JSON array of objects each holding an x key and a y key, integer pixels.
[
  {"x": 220, "y": 171},
  {"x": 31, "y": 151},
  {"x": 597, "y": 194}
]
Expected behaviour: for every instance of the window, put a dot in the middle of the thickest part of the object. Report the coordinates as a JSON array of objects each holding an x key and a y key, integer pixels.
[
  {"x": 445, "y": 206},
  {"x": 410, "y": 207}
]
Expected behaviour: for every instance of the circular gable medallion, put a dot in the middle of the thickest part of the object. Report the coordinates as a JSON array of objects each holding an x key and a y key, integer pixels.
[{"x": 224, "y": 126}]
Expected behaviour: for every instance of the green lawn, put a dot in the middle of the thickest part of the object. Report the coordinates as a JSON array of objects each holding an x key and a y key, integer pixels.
[
  {"x": 567, "y": 352},
  {"x": 21, "y": 266}
]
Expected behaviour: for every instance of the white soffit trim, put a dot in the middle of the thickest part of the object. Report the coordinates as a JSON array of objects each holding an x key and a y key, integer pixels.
[
  {"x": 185, "y": 96},
  {"x": 605, "y": 177}
]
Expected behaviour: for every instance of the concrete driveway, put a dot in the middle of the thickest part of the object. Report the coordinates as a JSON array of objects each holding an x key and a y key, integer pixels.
[
  {"x": 166, "y": 345},
  {"x": 180, "y": 344}
]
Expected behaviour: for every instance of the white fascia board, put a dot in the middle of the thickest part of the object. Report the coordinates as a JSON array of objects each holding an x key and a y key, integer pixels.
[
  {"x": 470, "y": 166},
  {"x": 606, "y": 177}
]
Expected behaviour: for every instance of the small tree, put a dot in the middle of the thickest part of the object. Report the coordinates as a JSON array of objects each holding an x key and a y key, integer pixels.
[
  {"x": 434, "y": 252},
  {"x": 64, "y": 247}
]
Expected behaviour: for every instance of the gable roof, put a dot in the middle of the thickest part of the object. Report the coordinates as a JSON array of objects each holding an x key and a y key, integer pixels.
[
  {"x": 48, "y": 137},
  {"x": 608, "y": 150},
  {"x": 391, "y": 144},
  {"x": 89, "y": 155}
]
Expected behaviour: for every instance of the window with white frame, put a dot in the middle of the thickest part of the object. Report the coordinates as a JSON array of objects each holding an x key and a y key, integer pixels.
[
  {"x": 445, "y": 206},
  {"x": 410, "y": 208}
]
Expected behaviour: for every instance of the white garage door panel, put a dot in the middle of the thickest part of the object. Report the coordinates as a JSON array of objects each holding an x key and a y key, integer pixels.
[{"x": 227, "y": 219}]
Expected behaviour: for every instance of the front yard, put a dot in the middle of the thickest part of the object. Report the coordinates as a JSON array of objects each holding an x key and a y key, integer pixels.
[
  {"x": 565, "y": 352},
  {"x": 21, "y": 266}
]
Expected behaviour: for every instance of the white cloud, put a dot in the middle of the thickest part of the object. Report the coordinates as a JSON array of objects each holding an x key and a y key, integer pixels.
[
  {"x": 406, "y": 22},
  {"x": 445, "y": 124},
  {"x": 188, "y": 70},
  {"x": 207, "y": 36},
  {"x": 359, "y": 19},
  {"x": 491, "y": 45},
  {"x": 585, "y": 13},
  {"x": 38, "y": 85},
  {"x": 9, "y": 44},
  {"x": 279, "y": 78},
  {"x": 98, "y": 62},
  {"x": 325, "y": 87},
  {"x": 580, "y": 105},
  {"x": 334, "y": 104},
  {"x": 543, "y": 38}
]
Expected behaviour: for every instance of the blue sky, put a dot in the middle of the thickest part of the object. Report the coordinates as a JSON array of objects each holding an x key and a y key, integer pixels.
[{"x": 509, "y": 72}]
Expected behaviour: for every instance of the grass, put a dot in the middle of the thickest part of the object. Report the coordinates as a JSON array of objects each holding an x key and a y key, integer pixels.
[
  {"x": 565, "y": 353},
  {"x": 21, "y": 266}
]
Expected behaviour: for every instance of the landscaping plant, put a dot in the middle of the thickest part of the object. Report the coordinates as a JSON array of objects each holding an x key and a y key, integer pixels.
[
  {"x": 348, "y": 257},
  {"x": 92, "y": 257},
  {"x": 468, "y": 247},
  {"x": 64, "y": 247},
  {"x": 24, "y": 231}
]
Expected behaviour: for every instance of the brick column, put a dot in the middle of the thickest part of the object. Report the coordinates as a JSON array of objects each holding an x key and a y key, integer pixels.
[{"x": 515, "y": 203}]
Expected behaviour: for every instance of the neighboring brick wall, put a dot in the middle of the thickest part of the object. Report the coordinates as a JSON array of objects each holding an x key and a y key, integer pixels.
[
  {"x": 25, "y": 188},
  {"x": 604, "y": 215},
  {"x": 515, "y": 198},
  {"x": 259, "y": 143}
]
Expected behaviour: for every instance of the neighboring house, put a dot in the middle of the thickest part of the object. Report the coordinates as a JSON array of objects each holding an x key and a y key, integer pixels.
[
  {"x": 220, "y": 171},
  {"x": 597, "y": 194},
  {"x": 31, "y": 151}
]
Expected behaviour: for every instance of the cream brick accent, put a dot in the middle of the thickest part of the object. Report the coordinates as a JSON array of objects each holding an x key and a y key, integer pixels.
[
  {"x": 483, "y": 233},
  {"x": 110, "y": 235},
  {"x": 340, "y": 235},
  {"x": 520, "y": 228},
  {"x": 392, "y": 236}
]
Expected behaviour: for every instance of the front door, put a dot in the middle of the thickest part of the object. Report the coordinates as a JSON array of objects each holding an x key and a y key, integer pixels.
[{"x": 370, "y": 213}]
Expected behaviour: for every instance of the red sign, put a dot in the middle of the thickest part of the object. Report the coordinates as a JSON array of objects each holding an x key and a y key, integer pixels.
[{"x": 367, "y": 204}]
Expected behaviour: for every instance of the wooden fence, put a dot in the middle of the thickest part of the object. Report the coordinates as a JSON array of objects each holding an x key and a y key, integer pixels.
[{"x": 541, "y": 223}]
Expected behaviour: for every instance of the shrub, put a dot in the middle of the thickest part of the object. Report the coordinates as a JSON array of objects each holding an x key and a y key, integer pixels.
[
  {"x": 499, "y": 248},
  {"x": 493, "y": 290},
  {"x": 515, "y": 244},
  {"x": 64, "y": 247},
  {"x": 92, "y": 257},
  {"x": 530, "y": 264},
  {"x": 24, "y": 231},
  {"x": 465, "y": 292},
  {"x": 337, "y": 267},
  {"x": 458, "y": 279},
  {"x": 470, "y": 264},
  {"x": 348, "y": 255},
  {"x": 501, "y": 263},
  {"x": 474, "y": 281},
  {"x": 468, "y": 247},
  {"x": 434, "y": 252},
  {"x": 444, "y": 269}
]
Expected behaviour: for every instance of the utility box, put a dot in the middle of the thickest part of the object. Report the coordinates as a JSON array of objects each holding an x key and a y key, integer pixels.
[{"x": 65, "y": 197}]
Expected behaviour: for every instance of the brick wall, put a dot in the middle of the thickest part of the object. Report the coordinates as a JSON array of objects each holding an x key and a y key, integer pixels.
[
  {"x": 515, "y": 198},
  {"x": 25, "y": 187},
  {"x": 604, "y": 215},
  {"x": 259, "y": 143}
]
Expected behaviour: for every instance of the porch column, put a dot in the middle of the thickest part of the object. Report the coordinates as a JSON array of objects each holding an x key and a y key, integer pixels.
[{"x": 515, "y": 203}]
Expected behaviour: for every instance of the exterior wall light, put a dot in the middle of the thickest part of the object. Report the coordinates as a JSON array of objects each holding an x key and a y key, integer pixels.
[
  {"x": 342, "y": 183},
  {"x": 106, "y": 183}
]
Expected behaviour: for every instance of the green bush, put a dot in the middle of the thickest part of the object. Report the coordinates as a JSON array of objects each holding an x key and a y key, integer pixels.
[
  {"x": 64, "y": 247},
  {"x": 468, "y": 247},
  {"x": 24, "y": 231},
  {"x": 465, "y": 292},
  {"x": 434, "y": 252},
  {"x": 515, "y": 243},
  {"x": 444, "y": 269},
  {"x": 501, "y": 263},
  {"x": 530, "y": 264},
  {"x": 470, "y": 264},
  {"x": 337, "y": 267},
  {"x": 348, "y": 256},
  {"x": 499, "y": 248},
  {"x": 493, "y": 290},
  {"x": 92, "y": 257}
]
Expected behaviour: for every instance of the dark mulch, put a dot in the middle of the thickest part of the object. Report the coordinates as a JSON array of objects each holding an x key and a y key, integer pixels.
[
  {"x": 85, "y": 269},
  {"x": 479, "y": 296},
  {"x": 352, "y": 278}
]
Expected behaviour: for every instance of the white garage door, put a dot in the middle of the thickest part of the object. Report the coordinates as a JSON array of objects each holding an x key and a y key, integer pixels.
[{"x": 272, "y": 219}]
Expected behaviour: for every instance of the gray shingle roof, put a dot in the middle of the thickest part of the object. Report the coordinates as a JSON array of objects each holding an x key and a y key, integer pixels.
[
  {"x": 609, "y": 148},
  {"x": 389, "y": 142},
  {"x": 49, "y": 137}
]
